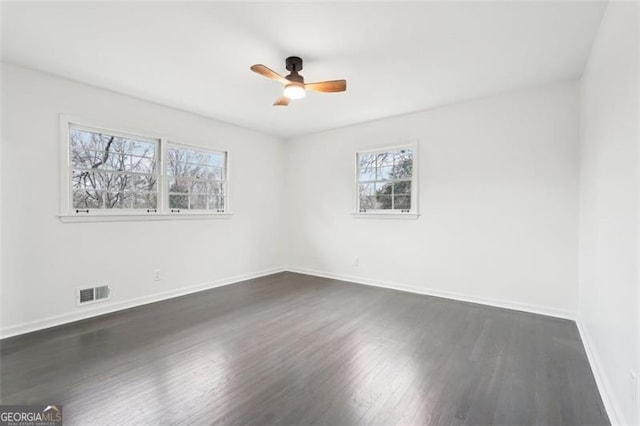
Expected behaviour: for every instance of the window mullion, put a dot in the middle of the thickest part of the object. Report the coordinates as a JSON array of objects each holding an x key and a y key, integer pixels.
[
  {"x": 163, "y": 181},
  {"x": 393, "y": 198}
]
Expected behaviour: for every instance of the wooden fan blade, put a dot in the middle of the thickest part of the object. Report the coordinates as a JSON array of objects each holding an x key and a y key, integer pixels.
[
  {"x": 327, "y": 86},
  {"x": 269, "y": 73},
  {"x": 281, "y": 101}
]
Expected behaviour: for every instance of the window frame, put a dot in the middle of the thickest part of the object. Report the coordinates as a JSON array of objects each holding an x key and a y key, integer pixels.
[
  {"x": 67, "y": 213},
  {"x": 388, "y": 213},
  {"x": 165, "y": 179},
  {"x": 69, "y": 170}
]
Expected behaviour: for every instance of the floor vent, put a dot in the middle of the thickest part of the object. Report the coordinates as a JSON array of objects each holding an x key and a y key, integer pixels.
[{"x": 89, "y": 295}]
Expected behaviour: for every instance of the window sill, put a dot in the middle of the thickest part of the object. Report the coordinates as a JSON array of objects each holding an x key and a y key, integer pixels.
[
  {"x": 385, "y": 215},
  {"x": 141, "y": 217}
]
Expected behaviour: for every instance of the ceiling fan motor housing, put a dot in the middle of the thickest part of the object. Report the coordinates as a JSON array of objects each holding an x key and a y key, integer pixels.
[{"x": 294, "y": 63}]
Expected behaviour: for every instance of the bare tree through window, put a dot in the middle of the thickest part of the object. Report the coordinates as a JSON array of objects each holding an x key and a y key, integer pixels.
[
  {"x": 197, "y": 179},
  {"x": 112, "y": 172}
]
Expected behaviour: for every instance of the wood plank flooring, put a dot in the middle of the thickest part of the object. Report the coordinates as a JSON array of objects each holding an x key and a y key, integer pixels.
[{"x": 296, "y": 349}]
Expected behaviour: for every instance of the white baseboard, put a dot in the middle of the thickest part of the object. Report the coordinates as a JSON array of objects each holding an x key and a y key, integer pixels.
[
  {"x": 608, "y": 399},
  {"x": 507, "y": 304},
  {"x": 90, "y": 312}
]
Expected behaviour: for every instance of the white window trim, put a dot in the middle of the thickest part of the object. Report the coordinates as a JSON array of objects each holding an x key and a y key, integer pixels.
[
  {"x": 388, "y": 214},
  {"x": 68, "y": 214},
  {"x": 142, "y": 217},
  {"x": 392, "y": 215}
]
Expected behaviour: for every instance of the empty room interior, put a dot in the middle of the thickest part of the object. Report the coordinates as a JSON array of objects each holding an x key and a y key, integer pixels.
[{"x": 330, "y": 213}]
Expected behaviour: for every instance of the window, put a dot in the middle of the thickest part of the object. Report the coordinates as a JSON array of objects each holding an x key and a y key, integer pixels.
[
  {"x": 197, "y": 179},
  {"x": 386, "y": 181},
  {"x": 110, "y": 173}
]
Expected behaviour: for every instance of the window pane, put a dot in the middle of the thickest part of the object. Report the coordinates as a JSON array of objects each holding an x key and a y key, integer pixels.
[
  {"x": 143, "y": 149},
  {"x": 403, "y": 187},
  {"x": 216, "y": 160},
  {"x": 403, "y": 155},
  {"x": 178, "y": 185},
  {"x": 402, "y": 202},
  {"x": 215, "y": 202},
  {"x": 214, "y": 173},
  {"x": 366, "y": 167},
  {"x": 112, "y": 161},
  {"x": 376, "y": 202},
  {"x": 117, "y": 182},
  {"x": 87, "y": 199},
  {"x": 118, "y": 200},
  {"x": 178, "y": 201},
  {"x": 383, "y": 202},
  {"x": 140, "y": 183},
  {"x": 385, "y": 159},
  {"x": 403, "y": 164},
  {"x": 197, "y": 171},
  {"x": 92, "y": 180},
  {"x": 198, "y": 201},
  {"x": 367, "y": 202},
  {"x": 82, "y": 140},
  {"x": 216, "y": 188},
  {"x": 403, "y": 170},
  {"x": 175, "y": 160},
  {"x": 384, "y": 173},
  {"x": 145, "y": 201},
  {"x": 198, "y": 187},
  {"x": 198, "y": 158},
  {"x": 367, "y": 189},
  {"x": 367, "y": 174},
  {"x": 142, "y": 164},
  {"x": 84, "y": 158},
  {"x": 87, "y": 180},
  {"x": 367, "y": 160},
  {"x": 383, "y": 188}
]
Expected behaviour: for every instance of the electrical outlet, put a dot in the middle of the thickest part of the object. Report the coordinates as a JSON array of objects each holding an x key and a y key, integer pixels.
[
  {"x": 356, "y": 261},
  {"x": 633, "y": 384},
  {"x": 156, "y": 275}
]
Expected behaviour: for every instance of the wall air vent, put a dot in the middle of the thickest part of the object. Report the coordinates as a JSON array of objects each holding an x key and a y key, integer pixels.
[{"x": 85, "y": 296}]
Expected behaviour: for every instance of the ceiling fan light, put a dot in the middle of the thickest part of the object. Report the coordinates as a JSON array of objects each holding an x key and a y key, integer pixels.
[{"x": 294, "y": 91}]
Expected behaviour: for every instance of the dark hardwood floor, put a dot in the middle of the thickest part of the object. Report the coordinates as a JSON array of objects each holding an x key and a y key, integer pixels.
[{"x": 296, "y": 349}]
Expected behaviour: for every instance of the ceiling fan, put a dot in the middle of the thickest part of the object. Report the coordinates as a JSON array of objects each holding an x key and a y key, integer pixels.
[{"x": 294, "y": 85}]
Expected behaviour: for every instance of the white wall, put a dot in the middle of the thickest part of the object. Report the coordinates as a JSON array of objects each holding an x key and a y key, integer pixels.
[
  {"x": 608, "y": 307},
  {"x": 44, "y": 260},
  {"x": 498, "y": 198}
]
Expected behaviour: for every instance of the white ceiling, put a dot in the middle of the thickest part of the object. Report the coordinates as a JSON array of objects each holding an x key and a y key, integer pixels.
[{"x": 396, "y": 57}]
